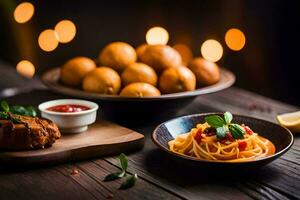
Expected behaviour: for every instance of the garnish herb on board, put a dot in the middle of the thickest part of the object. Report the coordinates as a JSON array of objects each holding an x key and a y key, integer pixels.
[
  {"x": 130, "y": 179},
  {"x": 224, "y": 126},
  {"x": 4, "y": 106},
  {"x": 16, "y": 109},
  {"x": 8, "y": 116}
]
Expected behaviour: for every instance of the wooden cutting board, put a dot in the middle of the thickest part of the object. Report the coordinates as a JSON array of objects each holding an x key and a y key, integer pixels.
[{"x": 101, "y": 139}]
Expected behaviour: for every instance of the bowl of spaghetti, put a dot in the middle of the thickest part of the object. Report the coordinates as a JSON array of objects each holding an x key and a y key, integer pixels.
[{"x": 222, "y": 139}]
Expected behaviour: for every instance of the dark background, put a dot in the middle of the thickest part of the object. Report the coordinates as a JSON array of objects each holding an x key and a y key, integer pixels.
[{"x": 268, "y": 64}]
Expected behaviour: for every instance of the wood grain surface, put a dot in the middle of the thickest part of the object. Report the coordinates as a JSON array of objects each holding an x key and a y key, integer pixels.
[
  {"x": 101, "y": 139},
  {"x": 159, "y": 176}
]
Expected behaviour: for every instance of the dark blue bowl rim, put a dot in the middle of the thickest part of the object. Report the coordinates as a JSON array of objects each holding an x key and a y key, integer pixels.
[{"x": 272, "y": 157}]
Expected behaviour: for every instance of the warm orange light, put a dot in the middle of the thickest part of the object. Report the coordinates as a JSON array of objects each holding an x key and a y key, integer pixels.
[
  {"x": 212, "y": 50},
  {"x": 25, "y": 68},
  {"x": 157, "y": 35},
  {"x": 235, "y": 39},
  {"x": 185, "y": 52},
  {"x": 66, "y": 31},
  {"x": 24, "y": 12},
  {"x": 48, "y": 40}
]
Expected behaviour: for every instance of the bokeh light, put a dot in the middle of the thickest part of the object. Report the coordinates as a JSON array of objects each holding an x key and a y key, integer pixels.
[
  {"x": 66, "y": 31},
  {"x": 212, "y": 50},
  {"x": 25, "y": 68},
  {"x": 185, "y": 52},
  {"x": 235, "y": 39},
  {"x": 157, "y": 35},
  {"x": 48, "y": 40},
  {"x": 23, "y": 12}
]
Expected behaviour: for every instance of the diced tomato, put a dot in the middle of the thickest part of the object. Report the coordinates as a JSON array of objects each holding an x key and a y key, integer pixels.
[
  {"x": 210, "y": 131},
  {"x": 198, "y": 136},
  {"x": 248, "y": 130},
  {"x": 227, "y": 139},
  {"x": 242, "y": 145}
]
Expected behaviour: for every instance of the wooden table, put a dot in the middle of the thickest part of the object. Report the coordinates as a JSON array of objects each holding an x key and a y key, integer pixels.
[{"x": 159, "y": 176}]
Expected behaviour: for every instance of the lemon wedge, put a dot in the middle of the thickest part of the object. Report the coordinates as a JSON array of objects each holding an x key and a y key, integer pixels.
[{"x": 290, "y": 121}]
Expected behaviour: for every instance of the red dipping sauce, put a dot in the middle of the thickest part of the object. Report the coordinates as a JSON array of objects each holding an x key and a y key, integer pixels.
[{"x": 68, "y": 108}]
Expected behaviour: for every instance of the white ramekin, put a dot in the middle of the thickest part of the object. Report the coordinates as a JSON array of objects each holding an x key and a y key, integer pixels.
[{"x": 73, "y": 122}]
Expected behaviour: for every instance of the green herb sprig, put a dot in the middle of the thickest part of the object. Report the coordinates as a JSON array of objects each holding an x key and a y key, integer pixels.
[
  {"x": 129, "y": 182},
  {"x": 130, "y": 179},
  {"x": 224, "y": 125},
  {"x": 17, "y": 109},
  {"x": 7, "y": 116}
]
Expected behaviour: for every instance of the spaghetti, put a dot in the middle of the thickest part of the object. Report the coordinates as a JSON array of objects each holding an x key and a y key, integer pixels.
[{"x": 202, "y": 143}]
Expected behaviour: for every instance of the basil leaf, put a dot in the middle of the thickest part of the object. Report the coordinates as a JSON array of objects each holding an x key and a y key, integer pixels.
[
  {"x": 228, "y": 117},
  {"x": 221, "y": 131},
  {"x": 240, "y": 128},
  {"x": 4, "y": 106},
  {"x": 129, "y": 182},
  {"x": 4, "y": 115},
  {"x": 236, "y": 132},
  {"x": 123, "y": 161},
  {"x": 19, "y": 110},
  {"x": 215, "y": 121},
  {"x": 31, "y": 111},
  {"x": 114, "y": 176}
]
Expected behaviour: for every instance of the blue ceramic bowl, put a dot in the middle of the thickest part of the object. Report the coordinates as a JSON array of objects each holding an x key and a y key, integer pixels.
[{"x": 281, "y": 137}]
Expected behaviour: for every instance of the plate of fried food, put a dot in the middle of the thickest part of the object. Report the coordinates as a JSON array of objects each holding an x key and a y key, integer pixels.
[{"x": 144, "y": 80}]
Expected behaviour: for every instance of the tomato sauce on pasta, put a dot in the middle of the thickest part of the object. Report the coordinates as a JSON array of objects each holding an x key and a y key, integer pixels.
[{"x": 202, "y": 144}]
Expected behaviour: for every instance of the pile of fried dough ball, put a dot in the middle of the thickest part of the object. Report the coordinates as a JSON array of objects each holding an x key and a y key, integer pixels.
[{"x": 148, "y": 71}]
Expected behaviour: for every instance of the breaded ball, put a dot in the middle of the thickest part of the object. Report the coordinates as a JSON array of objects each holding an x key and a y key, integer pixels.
[
  {"x": 161, "y": 57},
  {"x": 177, "y": 79},
  {"x": 140, "y": 90},
  {"x": 139, "y": 72},
  {"x": 185, "y": 53},
  {"x": 73, "y": 71},
  {"x": 103, "y": 80},
  {"x": 140, "y": 49},
  {"x": 206, "y": 72},
  {"x": 117, "y": 55}
]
